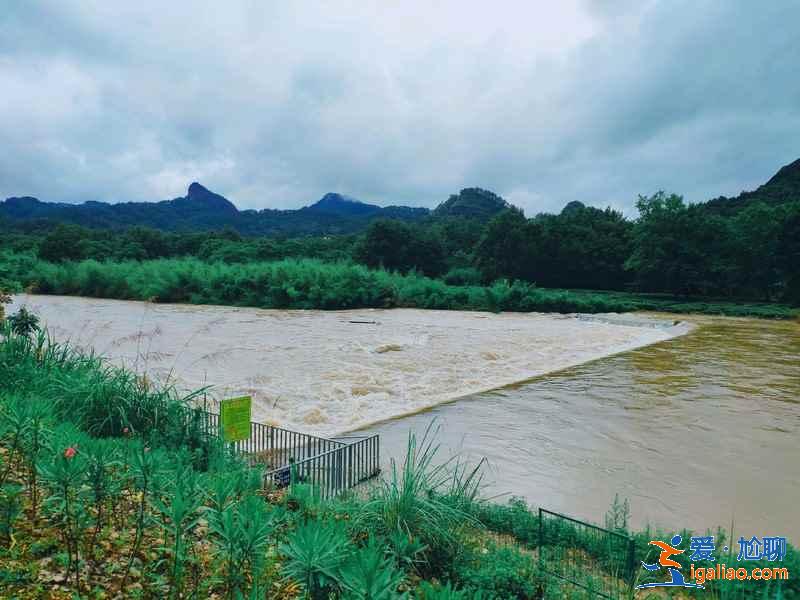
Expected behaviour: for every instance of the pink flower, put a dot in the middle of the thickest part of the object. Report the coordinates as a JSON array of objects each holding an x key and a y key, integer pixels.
[
  {"x": 70, "y": 452},
  {"x": 125, "y": 430}
]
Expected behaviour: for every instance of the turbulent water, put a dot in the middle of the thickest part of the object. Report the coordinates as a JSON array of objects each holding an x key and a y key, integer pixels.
[
  {"x": 329, "y": 372},
  {"x": 696, "y": 430}
]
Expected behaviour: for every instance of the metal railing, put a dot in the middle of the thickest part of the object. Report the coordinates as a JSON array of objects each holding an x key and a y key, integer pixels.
[
  {"x": 595, "y": 559},
  {"x": 273, "y": 446},
  {"x": 333, "y": 465},
  {"x": 333, "y": 471}
]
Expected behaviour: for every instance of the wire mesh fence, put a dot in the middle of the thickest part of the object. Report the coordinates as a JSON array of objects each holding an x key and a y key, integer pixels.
[{"x": 596, "y": 560}]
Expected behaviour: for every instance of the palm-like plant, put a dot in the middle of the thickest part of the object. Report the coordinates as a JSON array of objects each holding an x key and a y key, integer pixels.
[
  {"x": 370, "y": 575},
  {"x": 179, "y": 514},
  {"x": 241, "y": 533},
  {"x": 314, "y": 553}
]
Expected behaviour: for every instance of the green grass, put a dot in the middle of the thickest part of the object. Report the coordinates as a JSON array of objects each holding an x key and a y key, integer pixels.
[
  {"x": 108, "y": 483},
  {"x": 313, "y": 284}
]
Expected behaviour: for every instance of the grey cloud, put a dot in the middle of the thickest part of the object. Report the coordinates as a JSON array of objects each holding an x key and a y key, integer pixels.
[{"x": 273, "y": 105}]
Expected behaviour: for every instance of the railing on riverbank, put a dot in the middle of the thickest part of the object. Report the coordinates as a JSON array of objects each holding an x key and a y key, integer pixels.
[
  {"x": 334, "y": 471},
  {"x": 585, "y": 555},
  {"x": 331, "y": 464}
]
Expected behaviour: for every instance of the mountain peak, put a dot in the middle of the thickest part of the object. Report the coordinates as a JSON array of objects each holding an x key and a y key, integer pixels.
[
  {"x": 787, "y": 174},
  {"x": 196, "y": 188},
  {"x": 340, "y": 204},
  {"x": 472, "y": 202},
  {"x": 198, "y": 195}
]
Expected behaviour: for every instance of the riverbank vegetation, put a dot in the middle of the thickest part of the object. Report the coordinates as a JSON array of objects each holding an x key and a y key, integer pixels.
[
  {"x": 674, "y": 257},
  {"x": 314, "y": 284},
  {"x": 112, "y": 487}
]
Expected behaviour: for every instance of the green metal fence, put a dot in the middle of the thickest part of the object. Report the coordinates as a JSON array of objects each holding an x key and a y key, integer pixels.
[
  {"x": 333, "y": 465},
  {"x": 599, "y": 561}
]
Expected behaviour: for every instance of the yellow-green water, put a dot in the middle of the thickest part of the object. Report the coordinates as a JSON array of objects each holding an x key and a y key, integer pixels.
[{"x": 697, "y": 431}]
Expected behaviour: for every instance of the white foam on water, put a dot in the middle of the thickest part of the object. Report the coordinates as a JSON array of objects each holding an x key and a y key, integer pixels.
[{"x": 323, "y": 372}]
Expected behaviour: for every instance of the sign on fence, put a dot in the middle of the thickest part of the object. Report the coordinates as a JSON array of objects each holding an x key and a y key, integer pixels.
[{"x": 235, "y": 417}]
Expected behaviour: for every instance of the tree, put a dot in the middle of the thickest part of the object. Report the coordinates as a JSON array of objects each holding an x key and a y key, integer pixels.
[
  {"x": 63, "y": 243},
  {"x": 789, "y": 253},
  {"x": 504, "y": 248},
  {"x": 583, "y": 247},
  {"x": 398, "y": 246},
  {"x": 676, "y": 248},
  {"x": 754, "y": 240}
]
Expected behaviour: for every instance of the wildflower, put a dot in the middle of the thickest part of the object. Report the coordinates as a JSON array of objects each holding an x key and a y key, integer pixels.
[
  {"x": 125, "y": 430},
  {"x": 70, "y": 452}
]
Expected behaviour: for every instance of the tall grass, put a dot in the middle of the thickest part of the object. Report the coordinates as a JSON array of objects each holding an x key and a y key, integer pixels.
[
  {"x": 424, "y": 500},
  {"x": 99, "y": 398},
  {"x": 310, "y": 283},
  {"x": 292, "y": 284}
]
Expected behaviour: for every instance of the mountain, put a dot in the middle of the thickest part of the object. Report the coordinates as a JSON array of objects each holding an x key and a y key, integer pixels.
[
  {"x": 782, "y": 187},
  {"x": 337, "y": 204},
  {"x": 202, "y": 209},
  {"x": 472, "y": 202}
]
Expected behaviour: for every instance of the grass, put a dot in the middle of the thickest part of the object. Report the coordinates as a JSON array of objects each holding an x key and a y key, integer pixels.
[
  {"x": 107, "y": 484},
  {"x": 313, "y": 284}
]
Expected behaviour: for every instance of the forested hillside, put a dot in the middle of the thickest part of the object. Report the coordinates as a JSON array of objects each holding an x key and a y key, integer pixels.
[{"x": 742, "y": 248}]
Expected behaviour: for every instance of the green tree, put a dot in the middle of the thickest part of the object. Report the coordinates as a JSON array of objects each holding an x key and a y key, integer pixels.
[
  {"x": 754, "y": 240},
  {"x": 397, "y": 246},
  {"x": 504, "y": 247},
  {"x": 789, "y": 254},
  {"x": 63, "y": 243},
  {"x": 676, "y": 248}
]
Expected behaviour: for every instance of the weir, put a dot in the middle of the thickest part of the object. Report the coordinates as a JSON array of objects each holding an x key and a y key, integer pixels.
[{"x": 333, "y": 465}]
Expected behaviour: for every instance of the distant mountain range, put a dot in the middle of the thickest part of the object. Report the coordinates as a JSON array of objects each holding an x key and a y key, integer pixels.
[{"x": 202, "y": 209}]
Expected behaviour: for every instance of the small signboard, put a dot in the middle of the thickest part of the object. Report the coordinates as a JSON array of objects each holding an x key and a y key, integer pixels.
[{"x": 235, "y": 414}]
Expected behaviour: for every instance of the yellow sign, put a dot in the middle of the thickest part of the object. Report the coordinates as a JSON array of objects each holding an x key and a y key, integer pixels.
[{"x": 235, "y": 414}]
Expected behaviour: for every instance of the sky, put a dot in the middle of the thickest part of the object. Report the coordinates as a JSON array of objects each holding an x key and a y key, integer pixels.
[{"x": 273, "y": 104}]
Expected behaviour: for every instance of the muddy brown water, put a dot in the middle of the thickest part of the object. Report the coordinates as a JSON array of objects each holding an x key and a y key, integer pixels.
[
  {"x": 695, "y": 430},
  {"x": 698, "y": 431}
]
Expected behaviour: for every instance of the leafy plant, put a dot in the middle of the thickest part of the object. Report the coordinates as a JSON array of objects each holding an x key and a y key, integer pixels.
[
  {"x": 429, "y": 591},
  {"x": 368, "y": 574},
  {"x": 24, "y": 322},
  {"x": 405, "y": 549},
  {"x": 241, "y": 533},
  {"x": 179, "y": 514},
  {"x": 10, "y": 508},
  {"x": 64, "y": 473},
  {"x": 425, "y": 499},
  {"x": 145, "y": 467},
  {"x": 314, "y": 553}
]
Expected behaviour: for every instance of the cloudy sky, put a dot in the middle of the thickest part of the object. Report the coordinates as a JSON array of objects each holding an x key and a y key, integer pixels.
[{"x": 273, "y": 104}]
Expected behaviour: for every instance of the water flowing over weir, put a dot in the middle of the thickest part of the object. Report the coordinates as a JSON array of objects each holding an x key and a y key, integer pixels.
[
  {"x": 326, "y": 373},
  {"x": 696, "y": 429}
]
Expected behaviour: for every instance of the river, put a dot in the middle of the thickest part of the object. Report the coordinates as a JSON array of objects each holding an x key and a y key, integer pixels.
[
  {"x": 696, "y": 426},
  {"x": 697, "y": 431}
]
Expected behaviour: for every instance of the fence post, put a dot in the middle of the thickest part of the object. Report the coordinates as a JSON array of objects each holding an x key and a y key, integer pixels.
[
  {"x": 631, "y": 563},
  {"x": 350, "y": 478}
]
